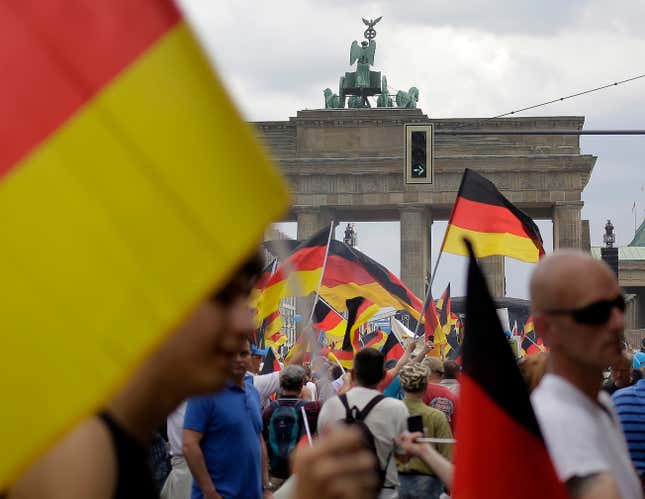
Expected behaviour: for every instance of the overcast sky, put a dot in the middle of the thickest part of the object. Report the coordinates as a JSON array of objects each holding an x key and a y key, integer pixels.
[{"x": 469, "y": 59}]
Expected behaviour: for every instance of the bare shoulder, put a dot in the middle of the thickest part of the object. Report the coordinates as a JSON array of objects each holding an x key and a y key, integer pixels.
[{"x": 88, "y": 452}]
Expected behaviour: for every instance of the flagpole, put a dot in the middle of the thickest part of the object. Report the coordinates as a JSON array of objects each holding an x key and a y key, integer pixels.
[
  {"x": 432, "y": 276},
  {"x": 322, "y": 274}
]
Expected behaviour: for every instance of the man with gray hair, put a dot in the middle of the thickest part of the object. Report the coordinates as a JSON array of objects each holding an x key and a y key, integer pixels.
[{"x": 284, "y": 424}]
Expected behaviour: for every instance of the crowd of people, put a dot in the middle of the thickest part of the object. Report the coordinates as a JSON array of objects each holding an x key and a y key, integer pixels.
[{"x": 234, "y": 433}]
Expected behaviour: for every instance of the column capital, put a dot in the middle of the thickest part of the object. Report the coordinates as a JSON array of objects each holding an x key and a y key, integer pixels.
[{"x": 568, "y": 204}]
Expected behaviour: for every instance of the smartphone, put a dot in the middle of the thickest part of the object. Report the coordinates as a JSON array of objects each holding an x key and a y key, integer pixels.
[{"x": 415, "y": 424}]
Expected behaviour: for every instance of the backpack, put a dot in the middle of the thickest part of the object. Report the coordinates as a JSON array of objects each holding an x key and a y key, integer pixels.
[
  {"x": 284, "y": 433},
  {"x": 356, "y": 418}
]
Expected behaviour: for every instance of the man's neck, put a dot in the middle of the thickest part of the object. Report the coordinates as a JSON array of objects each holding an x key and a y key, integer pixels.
[
  {"x": 371, "y": 387},
  {"x": 141, "y": 407},
  {"x": 238, "y": 380},
  {"x": 290, "y": 394},
  {"x": 414, "y": 396},
  {"x": 586, "y": 378},
  {"x": 434, "y": 380}
]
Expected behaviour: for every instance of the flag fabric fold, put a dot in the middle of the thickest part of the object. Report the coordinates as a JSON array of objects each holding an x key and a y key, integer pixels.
[
  {"x": 351, "y": 274},
  {"x": 493, "y": 224},
  {"x": 330, "y": 322},
  {"x": 359, "y": 311},
  {"x": 492, "y": 390},
  {"x": 120, "y": 187},
  {"x": 298, "y": 275},
  {"x": 271, "y": 364}
]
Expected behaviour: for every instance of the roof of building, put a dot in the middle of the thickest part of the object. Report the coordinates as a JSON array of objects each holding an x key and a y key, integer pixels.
[
  {"x": 639, "y": 236},
  {"x": 624, "y": 252}
]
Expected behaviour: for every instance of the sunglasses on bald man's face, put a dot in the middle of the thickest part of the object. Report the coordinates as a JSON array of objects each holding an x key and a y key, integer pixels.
[{"x": 595, "y": 313}]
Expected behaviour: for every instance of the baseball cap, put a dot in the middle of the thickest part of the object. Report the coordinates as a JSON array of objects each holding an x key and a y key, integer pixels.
[{"x": 259, "y": 351}]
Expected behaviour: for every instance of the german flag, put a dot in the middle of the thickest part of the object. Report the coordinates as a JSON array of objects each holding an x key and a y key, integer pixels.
[
  {"x": 453, "y": 347},
  {"x": 270, "y": 326},
  {"x": 392, "y": 348},
  {"x": 342, "y": 357},
  {"x": 359, "y": 311},
  {"x": 271, "y": 364},
  {"x": 276, "y": 340},
  {"x": 120, "y": 187},
  {"x": 329, "y": 321},
  {"x": 351, "y": 274},
  {"x": 375, "y": 340},
  {"x": 492, "y": 390},
  {"x": 432, "y": 327},
  {"x": 298, "y": 275},
  {"x": 491, "y": 222}
]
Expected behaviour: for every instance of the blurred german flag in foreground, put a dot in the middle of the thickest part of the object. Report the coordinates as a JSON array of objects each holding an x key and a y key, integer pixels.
[{"x": 125, "y": 199}]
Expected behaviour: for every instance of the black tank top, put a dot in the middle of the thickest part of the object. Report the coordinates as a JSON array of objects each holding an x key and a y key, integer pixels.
[{"x": 134, "y": 477}]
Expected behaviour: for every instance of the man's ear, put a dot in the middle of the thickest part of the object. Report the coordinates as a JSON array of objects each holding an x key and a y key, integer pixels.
[{"x": 544, "y": 328}]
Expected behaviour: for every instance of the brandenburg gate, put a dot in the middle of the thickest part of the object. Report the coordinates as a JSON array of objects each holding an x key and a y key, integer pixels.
[{"x": 348, "y": 164}]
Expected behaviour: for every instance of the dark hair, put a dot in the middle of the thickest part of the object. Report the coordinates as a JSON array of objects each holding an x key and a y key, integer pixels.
[
  {"x": 368, "y": 367},
  {"x": 336, "y": 372},
  {"x": 450, "y": 369},
  {"x": 241, "y": 281}
]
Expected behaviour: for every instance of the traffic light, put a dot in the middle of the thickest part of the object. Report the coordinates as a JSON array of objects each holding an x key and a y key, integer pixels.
[{"x": 418, "y": 154}]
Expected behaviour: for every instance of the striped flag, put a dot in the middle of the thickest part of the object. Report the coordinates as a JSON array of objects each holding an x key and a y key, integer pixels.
[
  {"x": 122, "y": 201},
  {"x": 493, "y": 224},
  {"x": 359, "y": 311},
  {"x": 492, "y": 390},
  {"x": 298, "y": 275},
  {"x": 330, "y": 322},
  {"x": 350, "y": 274},
  {"x": 271, "y": 364}
]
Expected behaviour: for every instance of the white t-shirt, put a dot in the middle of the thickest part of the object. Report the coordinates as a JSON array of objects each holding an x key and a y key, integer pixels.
[
  {"x": 312, "y": 388},
  {"x": 174, "y": 427},
  {"x": 266, "y": 385},
  {"x": 387, "y": 420},
  {"x": 583, "y": 437}
]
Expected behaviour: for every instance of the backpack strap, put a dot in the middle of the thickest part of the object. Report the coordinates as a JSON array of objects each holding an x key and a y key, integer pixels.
[
  {"x": 348, "y": 412},
  {"x": 370, "y": 405}
]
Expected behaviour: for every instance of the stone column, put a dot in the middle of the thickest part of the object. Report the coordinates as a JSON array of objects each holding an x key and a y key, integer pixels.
[
  {"x": 567, "y": 227},
  {"x": 415, "y": 247},
  {"x": 494, "y": 271},
  {"x": 307, "y": 223},
  {"x": 311, "y": 220}
]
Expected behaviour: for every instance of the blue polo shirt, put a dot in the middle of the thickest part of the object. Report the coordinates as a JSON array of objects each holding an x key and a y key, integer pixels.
[
  {"x": 231, "y": 424},
  {"x": 630, "y": 406}
]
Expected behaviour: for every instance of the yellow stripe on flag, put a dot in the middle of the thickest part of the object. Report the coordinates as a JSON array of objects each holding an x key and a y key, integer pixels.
[
  {"x": 490, "y": 243},
  {"x": 120, "y": 222}
]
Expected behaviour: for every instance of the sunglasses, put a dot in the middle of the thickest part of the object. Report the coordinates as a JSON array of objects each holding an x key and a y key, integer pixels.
[{"x": 595, "y": 313}]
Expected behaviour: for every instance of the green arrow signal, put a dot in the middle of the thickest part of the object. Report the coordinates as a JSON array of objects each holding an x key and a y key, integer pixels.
[{"x": 419, "y": 170}]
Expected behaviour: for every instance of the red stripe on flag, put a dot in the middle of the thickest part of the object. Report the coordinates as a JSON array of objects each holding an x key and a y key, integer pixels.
[
  {"x": 482, "y": 217},
  {"x": 56, "y": 55},
  {"x": 510, "y": 442},
  {"x": 303, "y": 259}
]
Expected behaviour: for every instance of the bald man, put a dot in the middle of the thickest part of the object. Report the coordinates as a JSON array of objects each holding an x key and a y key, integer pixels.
[{"x": 578, "y": 310}]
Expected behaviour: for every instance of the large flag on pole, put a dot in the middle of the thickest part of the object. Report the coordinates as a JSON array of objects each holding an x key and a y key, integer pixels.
[
  {"x": 492, "y": 390},
  {"x": 493, "y": 224},
  {"x": 130, "y": 189},
  {"x": 350, "y": 274}
]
